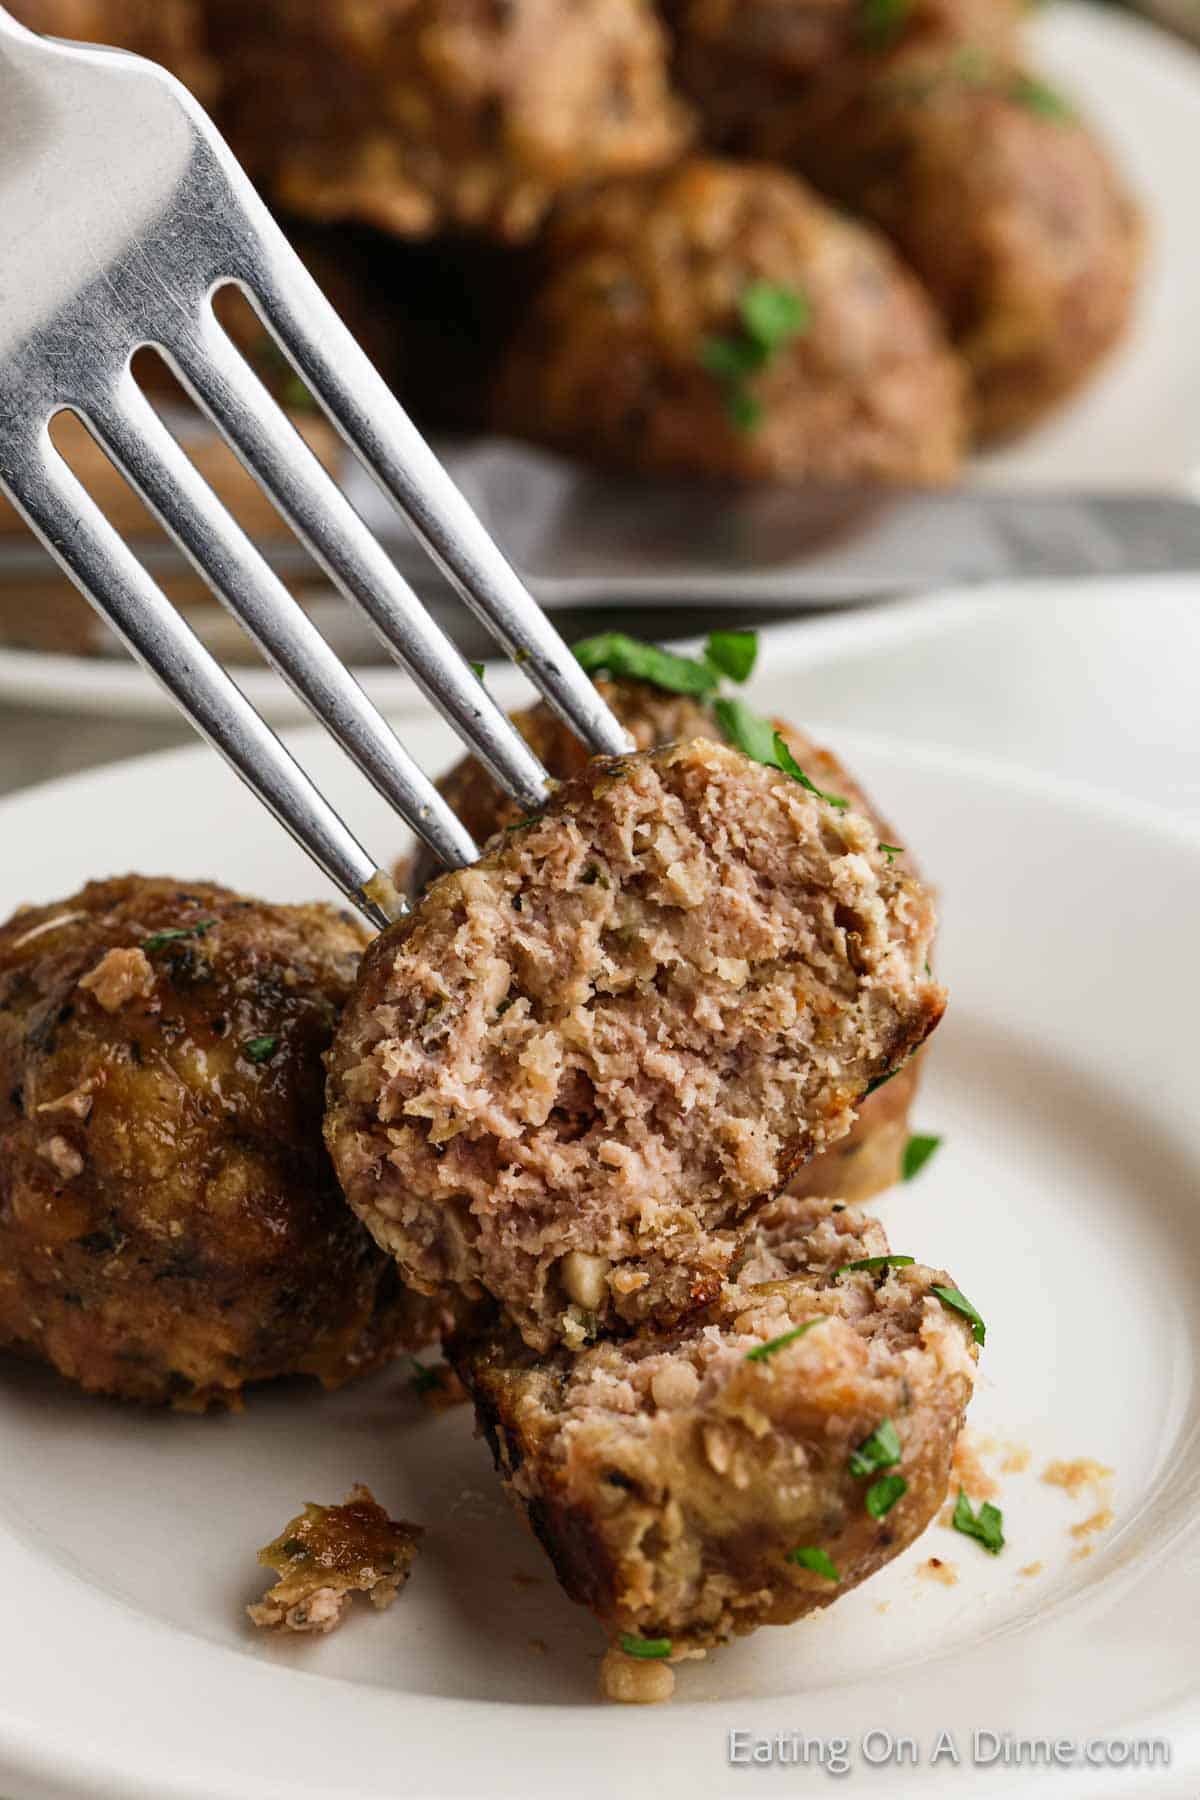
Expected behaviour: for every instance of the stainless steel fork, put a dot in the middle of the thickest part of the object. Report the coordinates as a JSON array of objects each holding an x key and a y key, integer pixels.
[{"x": 124, "y": 213}]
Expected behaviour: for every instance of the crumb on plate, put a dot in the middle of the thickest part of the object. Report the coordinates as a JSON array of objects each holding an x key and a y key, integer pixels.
[
  {"x": 327, "y": 1553},
  {"x": 633, "y": 1681}
]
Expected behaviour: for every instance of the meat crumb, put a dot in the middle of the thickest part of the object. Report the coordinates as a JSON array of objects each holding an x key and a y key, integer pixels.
[
  {"x": 1083, "y": 1552},
  {"x": 967, "y": 1469},
  {"x": 630, "y": 1681},
  {"x": 1073, "y": 1476},
  {"x": 119, "y": 977},
  {"x": 937, "y": 1570},
  {"x": 1099, "y": 1521},
  {"x": 1030, "y": 1569},
  {"x": 327, "y": 1553},
  {"x": 1017, "y": 1459}
]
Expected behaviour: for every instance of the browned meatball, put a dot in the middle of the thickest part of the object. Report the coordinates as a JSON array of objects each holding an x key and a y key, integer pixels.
[
  {"x": 998, "y": 195},
  {"x": 417, "y": 114},
  {"x": 722, "y": 321},
  {"x": 868, "y": 1159},
  {"x": 171, "y": 32},
  {"x": 571, "y": 1076},
  {"x": 672, "y": 1477},
  {"x": 170, "y": 1227}
]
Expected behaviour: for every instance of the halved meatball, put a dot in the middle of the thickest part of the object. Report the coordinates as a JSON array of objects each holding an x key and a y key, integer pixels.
[
  {"x": 722, "y": 321},
  {"x": 573, "y": 1073},
  {"x": 170, "y": 1226},
  {"x": 997, "y": 194},
  {"x": 418, "y": 114},
  {"x": 868, "y": 1158},
  {"x": 171, "y": 32},
  {"x": 673, "y": 1477}
]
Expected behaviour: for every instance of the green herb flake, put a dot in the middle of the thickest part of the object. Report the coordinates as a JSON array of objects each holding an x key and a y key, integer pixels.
[
  {"x": 881, "y": 1497},
  {"x": 477, "y": 669},
  {"x": 732, "y": 653},
  {"x": 260, "y": 1049},
  {"x": 422, "y": 1379},
  {"x": 173, "y": 935},
  {"x": 746, "y": 730},
  {"x": 594, "y": 876},
  {"x": 874, "y": 1262},
  {"x": 892, "y": 851},
  {"x": 1040, "y": 98},
  {"x": 772, "y": 315},
  {"x": 761, "y": 1352},
  {"x": 819, "y": 1561},
  {"x": 873, "y": 1087},
  {"x": 613, "y": 653},
  {"x": 744, "y": 410},
  {"x": 880, "y": 22},
  {"x": 646, "y": 1649},
  {"x": 917, "y": 1153},
  {"x": 879, "y": 1451},
  {"x": 786, "y": 761},
  {"x": 986, "y": 1525},
  {"x": 730, "y": 359},
  {"x": 960, "y": 1304}
]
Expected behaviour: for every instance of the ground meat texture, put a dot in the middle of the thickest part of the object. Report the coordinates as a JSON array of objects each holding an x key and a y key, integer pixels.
[
  {"x": 325, "y": 1555},
  {"x": 171, "y": 32},
  {"x": 868, "y": 1159},
  {"x": 1002, "y": 200},
  {"x": 170, "y": 1226},
  {"x": 612, "y": 364},
  {"x": 573, "y": 1073},
  {"x": 669, "y": 1475},
  {"x": 415, "y": 115}
]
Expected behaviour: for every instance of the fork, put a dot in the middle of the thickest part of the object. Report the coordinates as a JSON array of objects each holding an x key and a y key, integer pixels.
[{"x": 125, "y": 213}]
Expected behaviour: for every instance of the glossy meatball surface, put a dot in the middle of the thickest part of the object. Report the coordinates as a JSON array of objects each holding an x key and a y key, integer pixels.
[{"x": 170, "y": 1226}]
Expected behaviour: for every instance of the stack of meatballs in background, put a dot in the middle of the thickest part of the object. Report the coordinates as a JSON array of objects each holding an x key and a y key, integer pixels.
[
  {"x": 748, "y": 239},
  {"x": 598, "y": 1104}
]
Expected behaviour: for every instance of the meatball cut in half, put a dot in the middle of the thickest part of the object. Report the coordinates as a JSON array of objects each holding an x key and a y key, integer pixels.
[
  {"x": 1003, "y": 201},
  {"x": 419, "y": 115},
  {"x": 570, "y": 1076},
  {"x": 722, "y": 321},
  {"x": 170, "y": 1226},
  {"x": 754, "y": 1463},
  {"x": 868, "y": 1158}
]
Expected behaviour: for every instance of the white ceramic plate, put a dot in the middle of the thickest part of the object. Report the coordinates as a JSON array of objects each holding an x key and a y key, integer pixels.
[
  {"x": 1064, "y": 1200},
  {"x": 1137, "y": 425}
]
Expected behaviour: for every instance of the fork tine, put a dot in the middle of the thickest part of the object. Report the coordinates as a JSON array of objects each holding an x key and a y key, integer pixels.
[
  {"x": 76, "y": 533},
  {"x": 393, "y": 451},
  {"x": 225, "y": 386},
  {"x": 140, "y": 444}
]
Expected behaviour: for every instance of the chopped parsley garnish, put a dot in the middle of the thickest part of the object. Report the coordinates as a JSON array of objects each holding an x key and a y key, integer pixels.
[
  {"x": 874, "y": 1262},
  {"x": 873, "y": 1087},
  {"x": 761, "y": 1352},
  {"x": 917, "y": 1153},
  {"x": 959, "y": 1303},
  {"x": 1028, "y": 91},
  {"x": 770, "y": 316},
  {"x": 892, "y": 851},
  {"x": 648, "y": 1649},
  {"x": 986, "y": 1525},
  {"x": 613, "y": 653},
  {"x": 883, "y": 1495},
  {"x": 819, "y": 1561},
  {"x": 881, "y": 21},
  {"x": 260, "y": 1049},
  {"x": 746, "y": 730},
  {"x": 477, "y": 670},
  {"x": 423, "y": 1379},
  {"x": 734, "y": 653},
  {"x": 786, "y": 761},
  {"x": 594, "y": 876},
  {"x": 173, "y": 935},
  {"x": 879, "y": 1451}
]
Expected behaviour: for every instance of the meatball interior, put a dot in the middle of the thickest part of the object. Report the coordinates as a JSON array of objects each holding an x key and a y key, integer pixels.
[
  {"x": 868, "y": 1159},
  {"x": 170, "y": 1225},
  {"x": 572, "y": 1073},
  {"x": 670, "y": 1476}
]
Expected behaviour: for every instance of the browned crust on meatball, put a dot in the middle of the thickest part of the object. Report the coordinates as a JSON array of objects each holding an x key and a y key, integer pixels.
[
  {"x": 435, "y": 113},
  {"x": 171, "y": 32},
  {"x": 327, "y": 1554},
  {"x": 170, "y": 1226},
  {"x": 609, "y": 363},
  {"x": 669, "y": 1475},
  {"x": 868, "y": 1159},
  {"x": 573, "y": 1073}
]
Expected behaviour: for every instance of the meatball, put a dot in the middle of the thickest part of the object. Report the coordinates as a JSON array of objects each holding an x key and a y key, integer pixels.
[
  {"x": 171, "y": 32},
  {"x": 571, "y": 1075},
  {"x": 418, "y": 114},
  {"x": 674, "y": 1478},
  {"x": 721, "y": 321},
  {"x": 170, "y": 1226},
  {"x": 868, "y": 1158},
  {"x": 1000, "y": 198}
]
